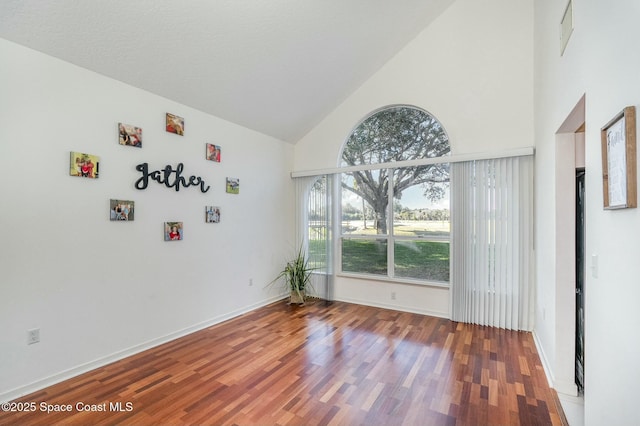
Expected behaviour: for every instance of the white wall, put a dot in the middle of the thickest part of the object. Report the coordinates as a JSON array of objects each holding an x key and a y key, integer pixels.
[
  {"x": 601, "y": 61},
  {"x": 472, "y": 68},
  {"x": 99, "y": 290}
]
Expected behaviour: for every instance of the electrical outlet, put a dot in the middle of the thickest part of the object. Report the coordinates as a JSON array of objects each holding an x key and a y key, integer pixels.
[
  {"x": 393, "y": 295},
  {"x": 33, "y": 336}
]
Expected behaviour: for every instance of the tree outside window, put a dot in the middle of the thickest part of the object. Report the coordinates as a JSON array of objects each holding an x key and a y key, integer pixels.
[{"x": 395, "y": 220}]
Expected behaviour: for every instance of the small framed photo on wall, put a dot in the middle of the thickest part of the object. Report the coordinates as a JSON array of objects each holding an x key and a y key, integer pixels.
[
  {"x": 175, "y": 124},
  {"x": 213, "y": 152},
  {"x": 212, "y": 214},
  {"x": 233, "y": 185},
  {"x": 121, "y": 210},
  {"x": 173, "y": 231},
  {"x": 84, "y": 165},
  {"x": 129, "y": 135}
]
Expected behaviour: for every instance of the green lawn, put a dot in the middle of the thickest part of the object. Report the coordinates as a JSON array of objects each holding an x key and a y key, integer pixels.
[
  {"x": 364, "y": 256},
  {"x": 425, "y": 260},
  {"x": 422, "y": 260}
]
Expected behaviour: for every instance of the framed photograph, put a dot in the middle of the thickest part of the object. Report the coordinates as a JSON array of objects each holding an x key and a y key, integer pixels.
[
  {"x": 212, "y": 214},
  {"x": 84, "y": 165},
  {"x": 233, "y": 185},
  {"x": 129, "y": 135},
  {"x": 175, "y": 124},
  {"x": 618, "y": 139},
  {"x": 173, "y": 231},
  {"x": 213, "y": 152},
  {"x": 121, "y": 210}
]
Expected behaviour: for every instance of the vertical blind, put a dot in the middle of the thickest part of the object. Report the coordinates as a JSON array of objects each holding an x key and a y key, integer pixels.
[
  {"x": 314, "y": 229},
  {"x": 492, "y": 242}
]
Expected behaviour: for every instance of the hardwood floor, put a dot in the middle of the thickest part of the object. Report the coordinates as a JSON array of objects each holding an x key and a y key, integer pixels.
[{"x": 340, "y": 364}]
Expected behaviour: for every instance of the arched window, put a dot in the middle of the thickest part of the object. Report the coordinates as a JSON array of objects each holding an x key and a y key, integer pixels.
[{"x": 395, "y": 213}]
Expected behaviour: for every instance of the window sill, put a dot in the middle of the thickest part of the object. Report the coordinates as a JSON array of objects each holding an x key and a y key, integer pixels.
[{"x": 407, "y": 281}]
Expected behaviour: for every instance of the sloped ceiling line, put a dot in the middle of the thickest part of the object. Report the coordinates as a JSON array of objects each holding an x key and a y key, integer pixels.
[{"x": 277, "y": 67}]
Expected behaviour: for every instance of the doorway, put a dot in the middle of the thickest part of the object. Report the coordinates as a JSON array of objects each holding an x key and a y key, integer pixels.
[
  {"x": 570, "y": 157},
  {"x": 580, "y": 268},
  {"x": 571, "y": 246}
]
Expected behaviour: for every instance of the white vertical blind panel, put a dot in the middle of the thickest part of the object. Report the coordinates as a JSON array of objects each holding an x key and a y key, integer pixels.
[
  {"x": 491, "y": 242},
  {"x": 314, "y": 217},
  {"x": 302, "y": 187}
]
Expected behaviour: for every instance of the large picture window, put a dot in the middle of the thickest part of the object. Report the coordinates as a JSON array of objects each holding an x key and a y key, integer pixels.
[{"x": 395, "y": 220}]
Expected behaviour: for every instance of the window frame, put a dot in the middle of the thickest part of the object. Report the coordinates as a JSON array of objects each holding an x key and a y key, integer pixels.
[
  {"x": 391, "y": 240},
  {"x": 390, "y": 236}
]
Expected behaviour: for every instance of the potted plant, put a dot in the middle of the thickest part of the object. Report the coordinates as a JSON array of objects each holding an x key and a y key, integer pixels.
[{"x": 297, "y": 277}]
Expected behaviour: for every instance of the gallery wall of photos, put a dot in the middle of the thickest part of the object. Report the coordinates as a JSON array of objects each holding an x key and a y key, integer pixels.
[{"x": 120, "y": 210}]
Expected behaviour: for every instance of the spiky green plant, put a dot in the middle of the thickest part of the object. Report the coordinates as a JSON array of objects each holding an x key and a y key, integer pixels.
[{"x": 297, "y": 276}]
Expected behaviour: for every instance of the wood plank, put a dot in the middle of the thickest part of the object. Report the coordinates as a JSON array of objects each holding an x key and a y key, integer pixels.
[{"x": 318, "y": 364}]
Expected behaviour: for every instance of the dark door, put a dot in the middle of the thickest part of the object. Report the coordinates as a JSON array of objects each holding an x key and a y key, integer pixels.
[{"x": 580, "y": 280}]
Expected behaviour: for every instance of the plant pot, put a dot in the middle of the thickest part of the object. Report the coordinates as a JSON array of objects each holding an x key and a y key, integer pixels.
[{"x": 296, "y": 298}]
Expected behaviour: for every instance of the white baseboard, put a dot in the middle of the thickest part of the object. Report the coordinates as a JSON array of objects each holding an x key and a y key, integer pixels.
[
  {"x": 116, "y": 356},
  {"x": 572, "y": 405},
  {"x": 543, "y": 358},
  {"x": 568, "y": 388},
  {"x": 395, "y": 307}
]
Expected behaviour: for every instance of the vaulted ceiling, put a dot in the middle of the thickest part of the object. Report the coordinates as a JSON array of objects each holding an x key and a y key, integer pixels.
[{"x": 274, "y": 66}]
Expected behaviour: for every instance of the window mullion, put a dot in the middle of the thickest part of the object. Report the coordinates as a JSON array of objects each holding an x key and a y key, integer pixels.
[{"x": 390, "y": 240}]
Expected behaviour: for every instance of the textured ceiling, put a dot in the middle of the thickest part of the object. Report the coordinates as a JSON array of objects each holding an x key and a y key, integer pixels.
[{"x": 274, "y": 66}]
